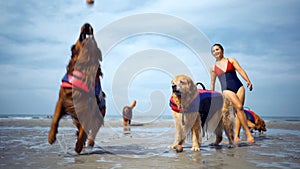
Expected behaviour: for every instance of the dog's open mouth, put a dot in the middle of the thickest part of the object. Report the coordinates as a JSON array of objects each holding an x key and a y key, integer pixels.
[
  {"x": 88, "y": 36},
  {"x": 86, "y": 32},
  {"x": 175, "y": 90},
  {"x": 85, "y": 37}
]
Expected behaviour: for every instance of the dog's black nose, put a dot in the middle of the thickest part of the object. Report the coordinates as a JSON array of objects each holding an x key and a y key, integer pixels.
[{"x": 174, "y": 89}]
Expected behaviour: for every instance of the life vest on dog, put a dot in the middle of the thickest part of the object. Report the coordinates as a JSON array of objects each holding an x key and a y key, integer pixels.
[
  {"x": 206, "y": 101},
  {"x": 250, "y": 115},
  {"x": 74, "y": 80}
]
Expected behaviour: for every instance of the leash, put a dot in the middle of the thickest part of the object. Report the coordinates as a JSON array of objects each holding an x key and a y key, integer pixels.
[{"x": 182, "y": 115}]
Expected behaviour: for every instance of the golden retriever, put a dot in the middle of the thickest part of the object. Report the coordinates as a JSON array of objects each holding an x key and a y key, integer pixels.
[
  {"x": 184, "y": 92},
  {"x": 127, "y": 113},
  {"x": 77, "y": 94},
  {"x": 193, "y": 111}
]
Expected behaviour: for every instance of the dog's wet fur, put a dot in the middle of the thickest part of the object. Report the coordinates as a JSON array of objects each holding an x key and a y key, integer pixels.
[
  {"x": 184, "y": 90},
  {"x": 86, "y": 115}
]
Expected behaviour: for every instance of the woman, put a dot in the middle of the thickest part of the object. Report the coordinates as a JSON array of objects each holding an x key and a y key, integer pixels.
[{"x": 225, "y": 69}]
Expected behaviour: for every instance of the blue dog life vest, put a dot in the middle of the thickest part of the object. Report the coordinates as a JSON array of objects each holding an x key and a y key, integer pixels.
[
  {"x": 250, "y": 115},
  {"x": 207, "y": 101}
]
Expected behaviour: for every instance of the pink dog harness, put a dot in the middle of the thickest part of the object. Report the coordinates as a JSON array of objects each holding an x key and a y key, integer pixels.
[{"x": 74, "y": 80}]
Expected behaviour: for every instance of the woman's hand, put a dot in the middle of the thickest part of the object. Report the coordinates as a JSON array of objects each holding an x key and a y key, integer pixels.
[{"x": 249, "y": 85}]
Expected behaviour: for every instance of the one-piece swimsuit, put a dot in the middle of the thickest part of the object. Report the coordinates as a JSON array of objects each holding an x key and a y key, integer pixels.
[{"x": 228, "y": 79}]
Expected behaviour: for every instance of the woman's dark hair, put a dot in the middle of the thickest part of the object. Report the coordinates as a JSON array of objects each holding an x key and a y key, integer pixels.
[{"x": 217, "y": 44}]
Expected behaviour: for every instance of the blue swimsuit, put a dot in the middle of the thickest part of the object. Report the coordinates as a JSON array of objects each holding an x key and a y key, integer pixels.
[{"x": 228, "y": 79}]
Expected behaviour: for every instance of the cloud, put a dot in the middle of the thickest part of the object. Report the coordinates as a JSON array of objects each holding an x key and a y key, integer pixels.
[{"x": 36, "y": 36}]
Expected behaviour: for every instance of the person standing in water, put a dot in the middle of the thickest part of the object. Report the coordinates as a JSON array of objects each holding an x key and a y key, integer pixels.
[{"x": 232, "y": 88}]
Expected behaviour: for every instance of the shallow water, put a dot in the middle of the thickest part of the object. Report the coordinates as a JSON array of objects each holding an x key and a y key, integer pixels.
[{"x": 24, "y": 145}]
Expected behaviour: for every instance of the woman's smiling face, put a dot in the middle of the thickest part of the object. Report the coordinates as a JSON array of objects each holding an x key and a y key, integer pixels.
[{"x": 217, "y": 52}]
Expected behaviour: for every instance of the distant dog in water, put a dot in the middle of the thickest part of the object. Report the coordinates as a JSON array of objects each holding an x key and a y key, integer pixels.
[
  {"x": 127, "y": 113},
  {"x": 254, "y": 121},
  {"x": 80, "y": 93}
]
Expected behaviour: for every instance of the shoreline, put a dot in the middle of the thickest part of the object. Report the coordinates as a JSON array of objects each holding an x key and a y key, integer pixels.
[
  {"x": 45, "y": 122},
  {"x": 24, "y": 144}
]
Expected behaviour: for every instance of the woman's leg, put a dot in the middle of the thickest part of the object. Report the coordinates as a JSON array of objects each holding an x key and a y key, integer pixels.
[
  {"x": 238, "y": 104},
  {"x": 241, "y": 95}
]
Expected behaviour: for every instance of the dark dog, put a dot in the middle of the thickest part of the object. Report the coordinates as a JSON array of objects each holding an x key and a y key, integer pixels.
[{"x": 80, "y": 94}]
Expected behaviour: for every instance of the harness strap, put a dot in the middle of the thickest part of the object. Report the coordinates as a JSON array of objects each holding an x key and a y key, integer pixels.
[
  {"x": 78, "y": 74},
  {"x": 201, "y": 103},
  {"x": 74, "y": 80},
  {"x": 182, "y": 118},
  {"x": 66, "y": 85},
  {"x": 78, "y": 83}
]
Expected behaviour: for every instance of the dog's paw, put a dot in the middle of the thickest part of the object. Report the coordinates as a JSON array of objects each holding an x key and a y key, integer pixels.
[
  {"x": 91, "y": 143},
  {"x": 88, "y": 149},
  {"x": 230, "y": 146},
  {"x": 51, "y": 140},
  {"x": 195, "y": 148},
  {"x": 172, "y": 146},
  {"x": 79, "y": 146},
  {"x": 51, "y": 137}
]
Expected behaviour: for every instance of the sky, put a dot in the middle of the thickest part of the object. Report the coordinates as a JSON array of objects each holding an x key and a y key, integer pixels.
[{"x": 144, "y": 45}]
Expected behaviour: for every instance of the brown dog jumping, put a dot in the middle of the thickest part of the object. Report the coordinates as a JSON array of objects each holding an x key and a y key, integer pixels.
[{"x": 80, "y": 94}]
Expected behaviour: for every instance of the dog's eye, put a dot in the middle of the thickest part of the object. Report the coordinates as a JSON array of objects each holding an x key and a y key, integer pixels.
[{"x": 183, "y": 82}]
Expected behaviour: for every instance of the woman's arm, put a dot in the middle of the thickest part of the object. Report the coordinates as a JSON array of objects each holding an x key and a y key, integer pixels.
[
  {"x": 213, "y": 77},
  {"x": 242, "y": 72}
]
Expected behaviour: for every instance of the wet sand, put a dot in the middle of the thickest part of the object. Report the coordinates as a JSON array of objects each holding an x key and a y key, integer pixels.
[{"x": 23, "y": 144}]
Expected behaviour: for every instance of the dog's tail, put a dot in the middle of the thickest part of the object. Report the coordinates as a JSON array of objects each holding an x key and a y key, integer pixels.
[{"x": 133, "y": 104}]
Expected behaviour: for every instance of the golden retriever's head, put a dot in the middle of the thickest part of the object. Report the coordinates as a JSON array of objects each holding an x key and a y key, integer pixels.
[
  {"x": 260, "y": 125},
  {"x": 184, "y": 88},
  {"x": 182, "y": 85}
]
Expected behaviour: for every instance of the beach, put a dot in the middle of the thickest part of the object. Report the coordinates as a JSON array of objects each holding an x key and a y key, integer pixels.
[{"x": 24, "y": 144}]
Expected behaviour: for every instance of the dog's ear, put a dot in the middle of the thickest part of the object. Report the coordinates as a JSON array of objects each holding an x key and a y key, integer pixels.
[
  {"x": 261, "y": 124},
  {"x": 91, "y": 30},
  {"x": 82, "y": 36},
  {"x": 192, "y": 85}
]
